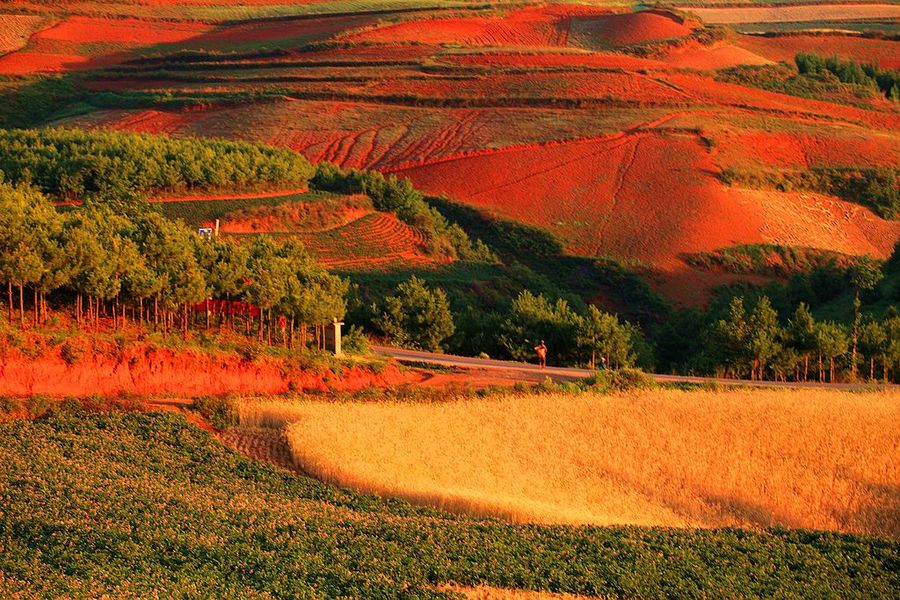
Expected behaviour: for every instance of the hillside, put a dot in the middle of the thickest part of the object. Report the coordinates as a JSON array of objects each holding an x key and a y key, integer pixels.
[{"x": 613, "y": 130}]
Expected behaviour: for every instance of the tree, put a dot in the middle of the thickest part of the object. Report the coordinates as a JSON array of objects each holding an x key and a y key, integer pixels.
[
  {"x": 416, "y": 316},
  {"x": 801, "y": 333},
  {"x": 227, "y": 273},
  {"x": 28, "y": 225},
  {"x": 762, "y": 338},
  {"x": 865, "y": 274},
  {"x": 831, "y": 342},
  {"x": 534, "y": 318},
  {"x": 731, "y": 336},
  {"x": 602, "y": 333},
  {"x": 313, "y": 296},
  {"x": 892, "y": 356},
  {"x": 873, "y": 342}
]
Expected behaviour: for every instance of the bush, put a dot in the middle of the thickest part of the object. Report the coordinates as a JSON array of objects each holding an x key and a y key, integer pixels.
[
  {"x": 417, "y": 317},
  {"x": 621, "y": 380},
  {"x": 218, "y": 411},
  {"x": 355, "y": 341},
  {"x": 71, "y": 352},
  {"x": 11, "y": 407}
]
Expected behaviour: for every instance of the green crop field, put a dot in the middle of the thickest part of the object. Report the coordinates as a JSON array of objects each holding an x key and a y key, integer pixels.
[
  {"x": 134, "y": 505},
  {"x": 198, "y": 212}
]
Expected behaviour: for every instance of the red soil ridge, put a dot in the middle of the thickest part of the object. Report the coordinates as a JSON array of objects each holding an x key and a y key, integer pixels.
[
  {"x": 636, "y": 28},
  {"x": 148, "y": 371}
]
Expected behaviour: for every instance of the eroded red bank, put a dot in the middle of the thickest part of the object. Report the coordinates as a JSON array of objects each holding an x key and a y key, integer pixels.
[{"x": 145, "y": 371}]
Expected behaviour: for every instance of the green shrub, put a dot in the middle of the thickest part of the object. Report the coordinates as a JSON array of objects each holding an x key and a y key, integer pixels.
[
  {"x": 218, "y": 411},
  {"x": 621, "y": 380},
  {"x": 71, "y": 351},
  {"x": 10, "y": 407},
  {"x": 355, "y": 341}
]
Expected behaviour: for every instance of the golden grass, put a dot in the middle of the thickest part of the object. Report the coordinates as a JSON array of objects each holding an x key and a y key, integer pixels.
[
  {"x": 16, "y": 29},
  {"x": 797, "y": 458}
]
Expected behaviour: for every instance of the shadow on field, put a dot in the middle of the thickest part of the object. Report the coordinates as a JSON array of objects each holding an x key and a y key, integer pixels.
[{"x": 881, "y": 514}]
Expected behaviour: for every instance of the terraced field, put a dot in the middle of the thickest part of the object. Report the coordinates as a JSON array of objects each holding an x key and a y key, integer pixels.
[
  {"x": 343, "y": 232},
  {"x": 376, "y": 241}
]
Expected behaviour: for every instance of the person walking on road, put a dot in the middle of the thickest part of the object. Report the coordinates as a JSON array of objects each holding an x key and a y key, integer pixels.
[{"x": 541, "y": 350}]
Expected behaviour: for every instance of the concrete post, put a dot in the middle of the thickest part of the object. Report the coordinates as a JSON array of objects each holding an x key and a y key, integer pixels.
[{"x": 333, "y": 337}]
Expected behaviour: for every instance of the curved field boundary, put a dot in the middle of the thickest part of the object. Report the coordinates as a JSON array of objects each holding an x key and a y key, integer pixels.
[
  {"x": 374, "y": 240},
  {"x": 797, "y": 13},
  {"x": 635, "y": 129}
]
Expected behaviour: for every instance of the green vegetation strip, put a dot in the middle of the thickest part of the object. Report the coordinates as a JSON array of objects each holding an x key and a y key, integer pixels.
[{"x": 146, "y": 504}]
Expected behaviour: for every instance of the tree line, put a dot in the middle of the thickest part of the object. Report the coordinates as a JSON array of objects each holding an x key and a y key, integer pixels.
[
  {"x": 747, "y": 338},
  {"x": 418, "y": 316},
  {"x": 887, "y": 81},
  {"x": 154, "y": 271},
  {"x": 71, "y": 164},
  {"x": 773, "y": 333}
]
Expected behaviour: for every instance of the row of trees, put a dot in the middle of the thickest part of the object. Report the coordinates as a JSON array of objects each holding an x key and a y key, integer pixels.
[
  {"x": 74, "y": 164},
  {"x": 417, "y": 316},
  {"x": 887, "y": 81},
  {"x": 155, "y": 271},
  {"x": 756, "y": 344}
]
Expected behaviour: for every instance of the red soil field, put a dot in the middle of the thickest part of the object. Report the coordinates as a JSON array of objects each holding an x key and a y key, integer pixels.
[
  {"x": 592, "y": 85},
  {"x": 629, "y": 29},
  {"x": 128, "y": 31},
  {"x": 707, "y": 58},
  {"x": 152, "y": 121},
  {"x": 601, "y": 60},
  {"x": 649, "y": 198},
  {"x": 885, "y": 53},
  {"x": 794, "y": 150},
  {"x": 376, "y": 240},
  {"x": 24, "y": 63},
  {"x": 535, "y": 27},
  {"x": 82, "y": 42},
  {"x": 263, "y": 31},
  {"x": 294, "y": 217},
  {"x": 705, "y": 90},
  {"x": 798, "y": 13},
  {"x": 374, "y": 136}
]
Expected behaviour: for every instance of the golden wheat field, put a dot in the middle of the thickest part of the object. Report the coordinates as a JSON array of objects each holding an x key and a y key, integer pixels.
[{"x": 755, "y": 458}]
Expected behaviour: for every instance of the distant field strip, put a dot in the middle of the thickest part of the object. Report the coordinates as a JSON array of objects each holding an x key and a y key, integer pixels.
[
  {"x": 810, "y": 459},
  {"x": 230, "y": 11},
  {"x": 799, "y": 13}
]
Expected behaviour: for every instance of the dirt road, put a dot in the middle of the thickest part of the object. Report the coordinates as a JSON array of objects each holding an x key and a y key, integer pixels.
[{"x": 532, "y": 373}]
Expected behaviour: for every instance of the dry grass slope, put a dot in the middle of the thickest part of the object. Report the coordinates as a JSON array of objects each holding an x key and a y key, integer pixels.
[{"x": 811, "y": 459}]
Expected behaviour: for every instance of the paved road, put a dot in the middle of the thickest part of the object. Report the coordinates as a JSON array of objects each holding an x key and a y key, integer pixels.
[{"x": 530, "y": 372}]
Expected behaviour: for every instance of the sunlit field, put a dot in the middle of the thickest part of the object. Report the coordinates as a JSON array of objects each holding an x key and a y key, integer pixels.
[{"x": 799, "y": 458}]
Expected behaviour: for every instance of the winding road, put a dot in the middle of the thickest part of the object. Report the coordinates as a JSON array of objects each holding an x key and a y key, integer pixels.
[{"x": 533, "y": 373}]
